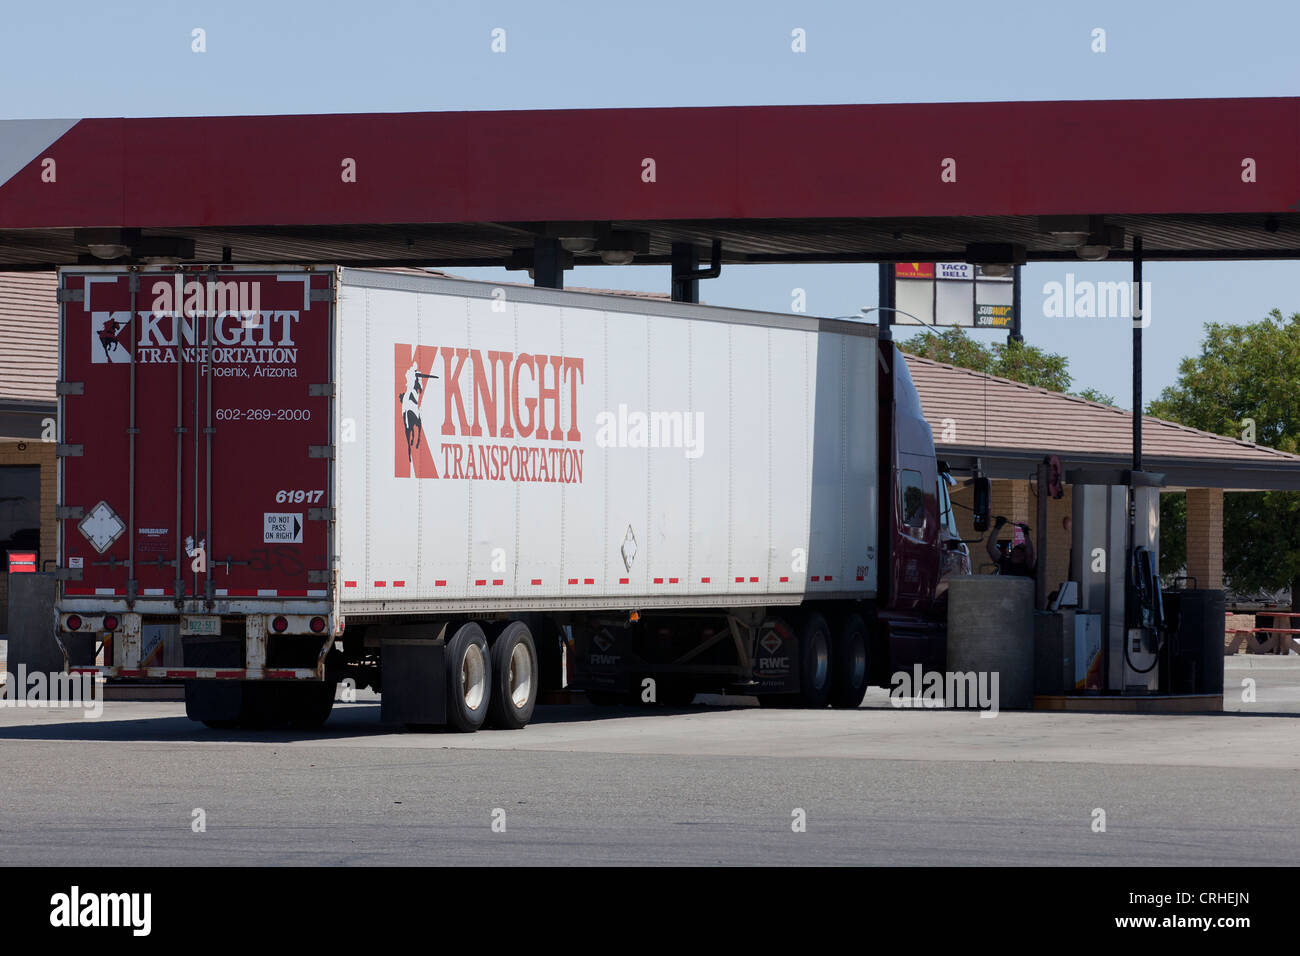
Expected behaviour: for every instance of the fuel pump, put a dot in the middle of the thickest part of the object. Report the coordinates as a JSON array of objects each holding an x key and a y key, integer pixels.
[{"x": 1116, "y": 520}]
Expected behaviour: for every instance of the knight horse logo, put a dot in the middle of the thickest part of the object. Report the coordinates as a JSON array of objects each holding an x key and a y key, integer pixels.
[
  {"x": 106, "y": 330},
  {"x": 410, "y": 407}
]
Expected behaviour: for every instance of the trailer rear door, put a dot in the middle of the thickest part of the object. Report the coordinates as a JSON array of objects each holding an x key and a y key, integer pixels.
[{"x": 196, "y": 433}]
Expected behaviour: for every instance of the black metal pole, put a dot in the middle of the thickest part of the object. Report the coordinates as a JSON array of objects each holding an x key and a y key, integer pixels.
[
  {"x": 1015, "y": 307},
  {"x": 887, "y": 301},
  {"x": 1137, "y": 353},
  {"x": 548, "y": 263},
  {"x": 686, "y": 262}
]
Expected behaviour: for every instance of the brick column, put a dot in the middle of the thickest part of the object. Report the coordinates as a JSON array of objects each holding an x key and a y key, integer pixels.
[
  {"x": 1205, "y": 536},
  {"x": 1011, "y": 499}
]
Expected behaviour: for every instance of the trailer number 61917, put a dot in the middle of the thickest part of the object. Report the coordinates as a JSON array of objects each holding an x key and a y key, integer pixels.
[{"x": 298, "y": 497}]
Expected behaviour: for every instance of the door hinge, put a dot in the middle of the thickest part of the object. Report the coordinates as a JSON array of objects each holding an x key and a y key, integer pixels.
[
  {"x": 67, "y": 574},
  {"x": 322, "y": 295},
  {"x": 69, "y": 388},
  {"x": 318, "y": 577},
  {"x": 69, "y": 451},
  {"x": 320, "y": 451},
  {"x": 70, "y": 295},
  {"x": 321, "y": 391},
  {"x": 320, "y": 514},
  {"x": 69, "y": 512}
]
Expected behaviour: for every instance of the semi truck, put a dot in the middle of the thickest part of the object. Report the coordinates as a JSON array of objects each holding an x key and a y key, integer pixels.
[{"x": 276, "y": 480}]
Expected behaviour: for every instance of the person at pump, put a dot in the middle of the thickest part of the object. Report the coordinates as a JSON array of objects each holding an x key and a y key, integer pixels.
[{"x": 1017, "y": 560}]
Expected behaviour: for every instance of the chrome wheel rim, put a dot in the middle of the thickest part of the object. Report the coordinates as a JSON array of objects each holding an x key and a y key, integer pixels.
[
  {"x": 521, "y": 676},
  {"x": 473, "y": 677}
]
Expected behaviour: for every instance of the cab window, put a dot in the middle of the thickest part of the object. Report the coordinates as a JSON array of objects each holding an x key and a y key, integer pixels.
[
  {"x": 947, "y": 518},
  {"x": 912, "y": 495}
]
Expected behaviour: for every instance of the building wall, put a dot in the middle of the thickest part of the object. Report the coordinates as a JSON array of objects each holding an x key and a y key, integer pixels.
[
  {"x": 1015, "y": 501},
  {"x": 29, "y": 335},
  {"x": 40, "y": 454}
]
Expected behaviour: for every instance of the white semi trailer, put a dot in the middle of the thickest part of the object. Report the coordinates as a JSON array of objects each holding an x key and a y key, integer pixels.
[{"x": 290, "y": 476}]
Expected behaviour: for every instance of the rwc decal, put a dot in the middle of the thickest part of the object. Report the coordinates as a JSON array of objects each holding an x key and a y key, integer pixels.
[{"x": 471, "y": 415}]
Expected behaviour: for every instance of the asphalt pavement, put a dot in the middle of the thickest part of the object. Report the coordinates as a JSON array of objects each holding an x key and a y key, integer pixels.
[{"x": 721, "y": 782}]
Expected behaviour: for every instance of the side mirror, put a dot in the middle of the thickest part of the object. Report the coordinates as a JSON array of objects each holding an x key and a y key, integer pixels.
[{"x": 982, "y": 494}]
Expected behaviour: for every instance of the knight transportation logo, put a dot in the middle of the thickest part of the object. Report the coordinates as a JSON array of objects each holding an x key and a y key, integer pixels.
[{"x": 469, "y": 414}]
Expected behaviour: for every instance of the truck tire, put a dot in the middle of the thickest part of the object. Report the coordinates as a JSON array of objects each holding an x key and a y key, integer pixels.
[
  {"x": 814, "y": 662},
  {"x": 850, "y": 662},
  {"x": 515, "y": 677},
  {"x": 469, "y": 678}
]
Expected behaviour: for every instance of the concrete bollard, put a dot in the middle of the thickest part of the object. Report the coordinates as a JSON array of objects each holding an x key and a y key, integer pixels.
[{"x": 991, "y": 630}]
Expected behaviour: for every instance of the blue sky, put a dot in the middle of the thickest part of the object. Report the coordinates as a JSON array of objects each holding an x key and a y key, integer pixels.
[{"x": 77, "y": 59}]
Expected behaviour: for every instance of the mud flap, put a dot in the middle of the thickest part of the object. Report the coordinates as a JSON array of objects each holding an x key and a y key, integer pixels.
[
  {"x": 214, "y": 699},
  {"x": 603, "y": 661},
  {"x": 414, "y": 682},
  {"x": 776, "y": 659}
]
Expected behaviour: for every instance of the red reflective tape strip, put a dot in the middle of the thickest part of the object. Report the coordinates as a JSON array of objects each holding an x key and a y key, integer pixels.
[
  {"x": 70, "y": 592},
  {"x": 128, "y": 672},
  {"x": 537, "y": 580},
  {"x": 176, "y": 673},
  {"x": 242, "y": 592},
  {"x": 280, "y": 674},
  {"x": 381, "y": 584},
  {"x": 704, "y": 580},
  {"x": 573, "y": 580},
  {"x": 861, "y": 578},
  {"x": 480, "y": 582},
  {"x": 740, "y": 580},
  {"x": 399, "y": 584},
  {"x": 784, "y": 580},
  {"x": 623, "y": 580},
  {"x": 588, "y": 580},
  {"x": 753, "y": 580},
  {"x": 659, "y": 580},
  {"x": 497, "y": 582},
  {"x": 816, "y": 577},
  {"x": 672, "y": 580},
  {"x": 829, "y": 578},
  {"x": 439, "y": 584},
  {"x": 349, "y": 584},
  {"x": 228, "y": 674}
]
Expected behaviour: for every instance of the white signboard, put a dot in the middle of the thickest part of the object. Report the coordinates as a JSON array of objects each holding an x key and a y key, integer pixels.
[
  {"x": 282, "y": 528},
  {"x": 952, "y": 294}
]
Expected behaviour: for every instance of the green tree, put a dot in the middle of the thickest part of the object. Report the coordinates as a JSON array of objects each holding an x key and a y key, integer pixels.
[
  {"x": 1014, "y": 360},
  {"x": 951, "y": 346},
  {"x": 1242, "y": 384},
  {"x": 1091, "y": 394}
]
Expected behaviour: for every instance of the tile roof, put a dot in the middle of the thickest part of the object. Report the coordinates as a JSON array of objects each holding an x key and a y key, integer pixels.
[{"x": 997, "y": 413}]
